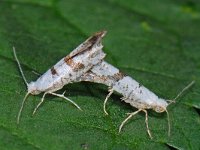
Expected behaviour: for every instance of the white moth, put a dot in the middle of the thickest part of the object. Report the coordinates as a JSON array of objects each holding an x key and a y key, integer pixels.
[
  {"x": 68, "y": 69},
  {"x": 86, "y": 63},
  {"x": 133, "y": 92}
]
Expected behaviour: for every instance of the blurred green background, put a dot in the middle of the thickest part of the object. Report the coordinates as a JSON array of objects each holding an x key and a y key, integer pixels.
[{"x": 157, "y": 42}]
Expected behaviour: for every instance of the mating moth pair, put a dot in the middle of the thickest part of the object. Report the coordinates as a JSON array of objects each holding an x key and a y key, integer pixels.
[{"x": 86, "y": 63}]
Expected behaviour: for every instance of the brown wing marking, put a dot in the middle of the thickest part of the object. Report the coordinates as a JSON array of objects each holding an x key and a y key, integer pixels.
[{"x": 87, "y": 44}]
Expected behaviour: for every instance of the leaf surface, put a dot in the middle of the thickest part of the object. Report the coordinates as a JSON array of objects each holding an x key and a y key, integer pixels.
[{"x": 155, "y": 42}]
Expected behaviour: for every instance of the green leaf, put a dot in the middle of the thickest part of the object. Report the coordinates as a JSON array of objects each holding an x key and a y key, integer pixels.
[{"x": 155, "y": 42}]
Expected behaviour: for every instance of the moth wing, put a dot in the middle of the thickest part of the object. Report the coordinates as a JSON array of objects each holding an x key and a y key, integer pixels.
[
  {"x": 92, "y": 77},
  {"x": 88, "y": 44}
]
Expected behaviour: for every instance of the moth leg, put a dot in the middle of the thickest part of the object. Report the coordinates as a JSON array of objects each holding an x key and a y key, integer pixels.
[
  {"x": 105, "y": 101},
  {"x": 147, "y": 124},
  {"x": 62, "y": 96},
  {"x": 38, "y": 105},
  {"x": 129, "y": 117}
]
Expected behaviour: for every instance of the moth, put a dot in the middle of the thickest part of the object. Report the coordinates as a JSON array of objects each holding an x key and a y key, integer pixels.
[
  {"x": 86, "y": 63},
  {"x": 133, "y": 92},
  {"x": 65, "y": 71}
]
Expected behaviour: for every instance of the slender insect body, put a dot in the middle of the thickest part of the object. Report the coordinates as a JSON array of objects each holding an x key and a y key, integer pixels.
[
  {"x": 133, "y": 92},
  {"x": 139, "y": 96}
]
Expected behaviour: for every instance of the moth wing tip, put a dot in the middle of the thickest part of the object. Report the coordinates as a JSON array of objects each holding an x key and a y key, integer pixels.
[{"x": 101, "y": 33}]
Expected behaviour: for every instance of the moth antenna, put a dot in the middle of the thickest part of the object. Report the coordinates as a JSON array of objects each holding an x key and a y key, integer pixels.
[
  {"x": 183, "y": 90},
  {"x": 169, "y": 125},
  {"x": 174, "y": 100},
  {"x": 19, "y": 66},
  {"x": 22, "y": 106}
]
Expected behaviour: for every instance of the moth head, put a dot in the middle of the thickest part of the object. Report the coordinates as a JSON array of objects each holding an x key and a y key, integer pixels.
[
  {"x": 32, "y": 89},
  {"x": 160, "y": 106},
  {"x": 159, "y": 109}
]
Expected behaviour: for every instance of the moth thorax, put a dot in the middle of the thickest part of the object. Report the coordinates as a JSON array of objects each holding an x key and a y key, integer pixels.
[{"x": 32, "y": 89}]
